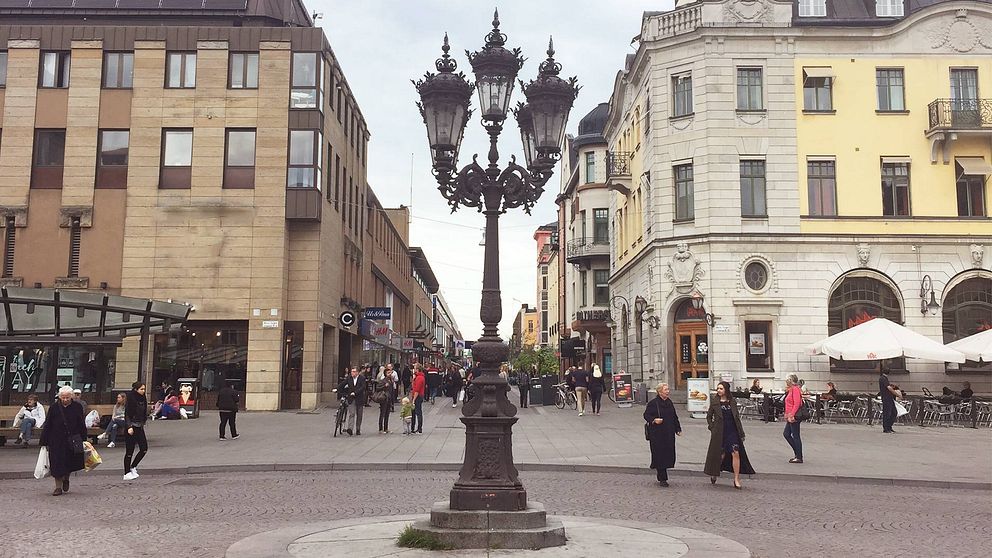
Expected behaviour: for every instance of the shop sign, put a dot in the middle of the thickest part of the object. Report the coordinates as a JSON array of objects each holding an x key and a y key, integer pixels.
[
  {"x": 698, "y": 395},
  {"x": 623, "y": 389},
  {"x": 270, "y": 324},
  {"x": 378, "y": 313},
  {"x": 407, "y": 344},
  {"x": 379, "y": 330}
]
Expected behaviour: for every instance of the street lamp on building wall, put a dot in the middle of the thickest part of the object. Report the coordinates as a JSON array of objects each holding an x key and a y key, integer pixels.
[
  {"x": 926, "y": 287},
  {"x": 488, "y": 478}
]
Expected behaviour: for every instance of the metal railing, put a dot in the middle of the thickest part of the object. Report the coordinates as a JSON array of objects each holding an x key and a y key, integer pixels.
[
  {"x": 587, "y": 246},
  {"x": 961, "y": 114},
  {"x": 618, "y": 163}
]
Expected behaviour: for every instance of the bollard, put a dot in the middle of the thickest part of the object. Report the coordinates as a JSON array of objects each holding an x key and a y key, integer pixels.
[
  {"x": 974, "y": 414},
  {"x": 871, "y": 412},
  {"x": 817, "y": 407}
]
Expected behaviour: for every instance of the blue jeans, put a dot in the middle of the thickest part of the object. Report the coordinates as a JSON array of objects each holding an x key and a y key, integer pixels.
[
  {"x": 792, "y": 436},
  {"x": 417, "y": 424},
  {"x": 112, "y": 430},
  {"x": 27, "y": 424}
]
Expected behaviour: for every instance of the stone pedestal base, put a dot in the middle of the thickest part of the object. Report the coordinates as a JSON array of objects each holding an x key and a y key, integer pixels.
[{"x": 528, "y": 528}]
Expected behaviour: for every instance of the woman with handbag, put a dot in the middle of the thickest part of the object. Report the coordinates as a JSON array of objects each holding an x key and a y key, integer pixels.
[
  {"x": 63, "y": 435},
  {"x": 661, "y": 426},
  {"x": 383, "y": 395},
  {"x": 726, "y": 451},
  {"x": 793, "y": 405}
]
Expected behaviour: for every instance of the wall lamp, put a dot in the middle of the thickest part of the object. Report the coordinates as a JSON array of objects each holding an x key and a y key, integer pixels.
[{"x": 926, "y": 287}]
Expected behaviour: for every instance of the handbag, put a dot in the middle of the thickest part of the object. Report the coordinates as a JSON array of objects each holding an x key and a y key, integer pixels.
[
  {"x": 802, "y": 414},
  {"x": 647, "y": 429},
  {"x": 75, "y": 440}
]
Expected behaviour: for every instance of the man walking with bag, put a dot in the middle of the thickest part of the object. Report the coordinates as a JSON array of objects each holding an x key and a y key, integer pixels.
[{"x": 227, "y": 403}]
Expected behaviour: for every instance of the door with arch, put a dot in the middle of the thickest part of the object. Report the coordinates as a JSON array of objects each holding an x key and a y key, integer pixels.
[{"x": 692, "y": 347}]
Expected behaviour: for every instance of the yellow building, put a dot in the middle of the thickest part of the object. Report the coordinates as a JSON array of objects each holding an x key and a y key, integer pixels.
[{"x": 785, "y": 170}]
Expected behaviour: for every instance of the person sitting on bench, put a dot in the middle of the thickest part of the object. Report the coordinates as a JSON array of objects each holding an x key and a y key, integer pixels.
[{"x": 31, "y": 416}]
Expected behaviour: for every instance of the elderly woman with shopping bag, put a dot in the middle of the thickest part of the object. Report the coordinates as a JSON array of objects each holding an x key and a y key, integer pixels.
[{"x": 63, "y": 437}]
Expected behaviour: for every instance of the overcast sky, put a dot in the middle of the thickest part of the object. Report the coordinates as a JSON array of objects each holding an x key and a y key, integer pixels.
[{"x": 383, "y": 44}]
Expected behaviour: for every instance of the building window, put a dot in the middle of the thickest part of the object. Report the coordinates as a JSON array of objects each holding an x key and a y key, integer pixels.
[
  {"x": 337, "y": 181},
  {"x": 818, "y": 89},
  {"x": 971, "y": 175},
  {"x": 118, "y": 70},
  {"x": 812, "y": 8},
  {"x": 756, "y": 276},
  {"x": 968, "y": 310},
  {"x": 684, "y": 203},
  {"x": 889, "y": 8},
  {"x": 895, "y": 189},
  {"x": 583, "y": 276},
  {"x": 75, "y": 239},
  {"x": 891, "y": 89},
  {"x": 49, "y": 158},
  {"x": 758, "y": 345},
  {"x": 821, "y": 184},
  {"x": 749, "y": 89},
  {"x": 682, "y": 88},
  {"x": 600, "y": 225},
  {"x": 180, "y": 70},
  {"x": 243, "y": 70},
  {"x": 54, "y": 69},
  {"x": 602, "y": 279},
  {"x": 3, "y": 68},
  {"x": 305, "y": 79},
  {"x": 590, "y": 167},
  {"x": 239, "y": 158},
  {"x": 9, "y": 242},
  {"x": 111, "y": 160},
  {"x": 753, "y": 203},
  {"x": 177, "y": 159},
  {"x": 854, "y": 301},
  {"x": 304, "y": 159}
]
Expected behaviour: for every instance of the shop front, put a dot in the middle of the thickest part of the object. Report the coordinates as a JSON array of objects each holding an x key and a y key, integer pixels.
[{"x": 215, "y": 352}]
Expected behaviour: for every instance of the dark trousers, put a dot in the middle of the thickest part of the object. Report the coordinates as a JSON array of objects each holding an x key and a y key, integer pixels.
[
  {"x": 137, "y": 438},
  {"x": 454, "y": 397},
  {"x": 228, "y": 417},
  {"x": 523, "y": 396},
  {"x": 888, "y": 414},
  {"x": 792, "y": 436},
  {"x": 384, "y": 415},
  {"x": 597, "y": 401},
  {"x": 662, "y": 474},
  {"x": 417, "y": 423}
]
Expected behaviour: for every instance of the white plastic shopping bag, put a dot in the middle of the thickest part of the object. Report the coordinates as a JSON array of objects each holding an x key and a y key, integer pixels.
[
  {"x": 183, "y": 413},
  {"x": 41, "y": 470},
  {"x": 93, "y": 419},
  {"x": 901, "y": 410},
  {"x": 461, "y": 396}
]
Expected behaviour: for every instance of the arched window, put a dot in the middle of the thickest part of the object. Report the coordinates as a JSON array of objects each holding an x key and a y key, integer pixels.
[
  {"x": 856, "y": 300},
  {"x": 967, "y": 311}
]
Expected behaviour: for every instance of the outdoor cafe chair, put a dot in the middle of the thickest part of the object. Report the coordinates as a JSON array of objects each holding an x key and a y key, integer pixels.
[{"x": 936, "y": 413}]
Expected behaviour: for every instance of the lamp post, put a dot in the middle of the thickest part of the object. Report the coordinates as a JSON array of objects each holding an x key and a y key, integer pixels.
[{"x": 488, "y": 479}]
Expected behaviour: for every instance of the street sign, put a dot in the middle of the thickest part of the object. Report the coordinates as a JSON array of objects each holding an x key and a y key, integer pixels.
[
  {"x": 347, "y": 318},
  {"x": 378, "y": 313},
  {"x": 270, "y": 324}
]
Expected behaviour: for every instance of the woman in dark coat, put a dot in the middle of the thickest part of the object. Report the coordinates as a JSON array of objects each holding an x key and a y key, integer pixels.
[
  {"x": 65, "y": 418},
  {"x": 597, "y": 385},
  {"x": 454, "y": 385},
  {"x": 135, "y": 416},
  {"x": 663, "y": 426},
  {"x": 726, "y": 451}
]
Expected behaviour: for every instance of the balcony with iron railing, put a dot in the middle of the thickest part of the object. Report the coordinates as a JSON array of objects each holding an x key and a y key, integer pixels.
[
  {"x": 579, "y": 250},
  {"x": 961, "y": 115},
  {"x": 618, "y": 171}
]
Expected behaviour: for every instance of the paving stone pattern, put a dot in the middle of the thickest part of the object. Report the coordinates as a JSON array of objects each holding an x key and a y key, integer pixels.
[{"x": 201, "y": 515}]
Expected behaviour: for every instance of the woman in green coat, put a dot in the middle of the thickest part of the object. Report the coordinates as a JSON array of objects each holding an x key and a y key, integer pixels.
[{"x": 726, "y": 451}]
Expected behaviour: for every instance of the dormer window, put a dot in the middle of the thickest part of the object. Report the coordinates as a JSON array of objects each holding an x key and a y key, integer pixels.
[
  {"x": 889, "y": 8},
  {"x": 813, "y": 8}
]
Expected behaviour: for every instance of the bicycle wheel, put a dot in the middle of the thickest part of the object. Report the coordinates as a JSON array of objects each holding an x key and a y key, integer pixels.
[
  {"x": 559, "y": 400},
  {"x": 573, "y": 403},
  {"x": 611, "y": 395}
]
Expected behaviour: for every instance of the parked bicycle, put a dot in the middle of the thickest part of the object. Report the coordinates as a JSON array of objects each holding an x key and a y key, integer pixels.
[{"x": 565, "y": 396}]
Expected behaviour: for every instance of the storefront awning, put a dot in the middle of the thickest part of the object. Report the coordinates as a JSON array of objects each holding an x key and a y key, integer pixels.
[
  {"x": 65, "y": 315},
  {"x": 974, "y": 166}
]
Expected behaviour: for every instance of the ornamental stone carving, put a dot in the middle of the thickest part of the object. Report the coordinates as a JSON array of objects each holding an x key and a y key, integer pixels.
[
  {"x": 977, "y": 255},
  {"x": 962, "y": 34},
  {"x": 747, "y": 11},
  {"x": 684, "y": 270},
  {"x": 864, "y": 254}
]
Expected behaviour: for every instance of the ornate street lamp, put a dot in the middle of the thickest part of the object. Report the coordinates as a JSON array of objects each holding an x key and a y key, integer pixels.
[{"x": 488, "y": 479}]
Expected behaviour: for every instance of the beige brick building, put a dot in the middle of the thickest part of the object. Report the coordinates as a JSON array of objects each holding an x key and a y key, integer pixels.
[{"x": 212, "y": 154}]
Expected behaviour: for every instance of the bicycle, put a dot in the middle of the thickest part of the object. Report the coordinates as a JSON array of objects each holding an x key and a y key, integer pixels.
[
  {"x": 565, "y": 396},
  {"x": 341, "y": 416}
]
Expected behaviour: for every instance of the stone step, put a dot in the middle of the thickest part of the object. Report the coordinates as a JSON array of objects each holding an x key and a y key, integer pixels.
[
  {"x": 549, "y": 535},
  {"x": 442, "y": 516}
]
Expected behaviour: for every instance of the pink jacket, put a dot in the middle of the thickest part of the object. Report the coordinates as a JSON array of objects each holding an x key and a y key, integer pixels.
[{"x": 793, "y": 400}]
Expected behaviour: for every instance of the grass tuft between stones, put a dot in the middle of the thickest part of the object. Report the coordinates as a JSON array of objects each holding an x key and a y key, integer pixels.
[{"x": 414, "y": 538}]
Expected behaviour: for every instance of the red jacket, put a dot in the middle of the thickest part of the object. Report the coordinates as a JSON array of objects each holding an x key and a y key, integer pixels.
[
  {"x": 419, "y": 384},
  {"x": 793, "y": 400}
]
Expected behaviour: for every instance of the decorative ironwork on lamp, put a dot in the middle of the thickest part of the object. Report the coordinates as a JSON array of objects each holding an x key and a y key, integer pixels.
[{"x": 926, "y": 287}]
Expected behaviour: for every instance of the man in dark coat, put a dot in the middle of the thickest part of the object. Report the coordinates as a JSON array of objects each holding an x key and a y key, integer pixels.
[
  {"x": 227, "y": 403},
  {"x": 454, "y": 385},
  {"x": 523, "y": 384},
  {"x": 357, "y": 384},
  {"x": 64, "y": 420},
  {"x": 406, "y": 378},
  {"x": 663, "y": 426}
]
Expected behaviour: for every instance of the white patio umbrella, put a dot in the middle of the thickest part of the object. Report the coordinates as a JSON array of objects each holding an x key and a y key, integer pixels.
[
  {"x": 879, "y": 339},
  {"x": 975, "y": 347}
]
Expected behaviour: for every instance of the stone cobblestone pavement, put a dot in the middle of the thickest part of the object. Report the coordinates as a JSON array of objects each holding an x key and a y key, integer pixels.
[{"x": 202, "y": 515}]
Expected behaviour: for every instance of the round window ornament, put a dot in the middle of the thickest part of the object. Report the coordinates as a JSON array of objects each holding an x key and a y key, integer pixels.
[{"x": 756, "y": 276}]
